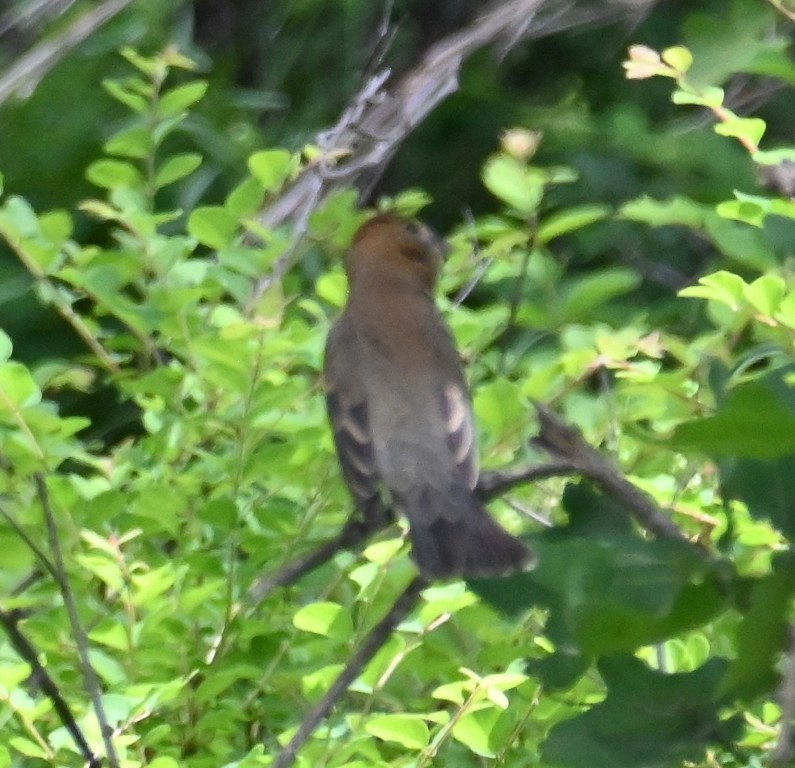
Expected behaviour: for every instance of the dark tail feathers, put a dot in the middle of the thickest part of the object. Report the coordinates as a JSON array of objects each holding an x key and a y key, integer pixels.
[{"x": 452, "y": 535}]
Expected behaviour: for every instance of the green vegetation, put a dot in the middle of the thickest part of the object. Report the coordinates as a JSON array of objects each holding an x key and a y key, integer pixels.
[{"x": 164, "y": 444}]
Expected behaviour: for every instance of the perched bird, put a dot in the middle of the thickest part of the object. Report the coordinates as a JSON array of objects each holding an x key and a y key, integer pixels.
[{"x": 400, "y": 409}]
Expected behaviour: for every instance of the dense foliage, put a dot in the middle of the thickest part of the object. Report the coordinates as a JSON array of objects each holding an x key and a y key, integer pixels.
[{"x": 167, "y": 446}]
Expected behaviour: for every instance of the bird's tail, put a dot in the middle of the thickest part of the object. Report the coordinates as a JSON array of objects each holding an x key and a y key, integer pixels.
[{"x": 452, "y": 535}]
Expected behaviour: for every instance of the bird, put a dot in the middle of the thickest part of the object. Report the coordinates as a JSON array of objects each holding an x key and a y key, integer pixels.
[{"x": 400, "y": 410}]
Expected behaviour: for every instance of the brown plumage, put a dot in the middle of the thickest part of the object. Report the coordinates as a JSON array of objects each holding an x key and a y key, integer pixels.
[{"x": 400, "y": 409}]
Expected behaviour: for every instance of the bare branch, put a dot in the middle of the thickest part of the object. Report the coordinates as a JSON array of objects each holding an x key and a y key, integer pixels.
[
  {"x": 81, "y": 640},
  {"x": 27, "y": 72},
  {"x": 357, "y": 531},
  {"x": 377, "y": 637},
  {"x": 354, "y": 533},
  {"x": 377, "y": 121},
  {"x": 30, "y": 14},
  {"x": 785, "y": 748},
  {"x": 41, "y": 556},
  {"x": 372, "y": 128},
  {"x": 566, "y": 443},
  {"x": 572, "y": 456},
  {"x": 42, "y": 679},
  {"x": 497, "y": 482}
]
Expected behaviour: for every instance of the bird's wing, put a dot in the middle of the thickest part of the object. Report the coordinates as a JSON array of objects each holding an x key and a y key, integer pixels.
[
  {"x": 460, "y": 429},
  {"x": 456, "y": 405},
  {"x": 346, "y": 401}
]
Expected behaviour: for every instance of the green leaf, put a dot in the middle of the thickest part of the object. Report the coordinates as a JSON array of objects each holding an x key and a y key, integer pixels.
[
  {"x": 213, "y": 226},
  {"x": 560, "y": 670},
  {"x": 212, "y": 687},
  {"x": 648, "y": 719},
  {"x": 475, "y": 730},
  {"x": 271, "y": 167},
  {"x": 500, "y": 406},
  {"x": 135, "y": 142},
  {"x": 245, "y": 199},
  {"x": 407, "y": 730},
  {"x": 749, "y": 128},
  {"x": 104, "y": 567},
  {"x": 327, "y": 619},
  {"x": 314, "y": 684},
  {"x": 56, "y": 226},
  {"x": 165, "y": 127},
  {"x": 146, "y": 587},
  {"x": 14, "y": 675},
  {"x": 658, "y": 213},
  {"x": 124, "y": 94},
  {"x": 746, "y": 245},
  {"x": 111, "y": 634},
  {"x": 511, "y": 181},
  {"x": 762, "y": 635},
  {"x": 757, "y": 421},
  {"x": 724, "y": 287},
  {"x": 775, "y": 156},
  {"x": 333, "y": 288},
  {"x": 765, "y": 294},
  {"x": 163, "y": 762},
  {"x": 753, "y": 209},
  {"x": 606, "y": 588},
  {"x": 559, "y": 174},
  {"x": 742, "y": 210},
  {"x": 583, "y": 295},
  {"x": 786, "y": 310},
  {"x": 6, "y": 346},
  {"x": 708, "y": 97},
  {"x": 177, "y": 167},
  {"x": 18, "y": 389},
  {"x": 176, "y": 101},
  {"x": 678, "y": 57},
  {"x": 148, "y": 65},
  {"x": 108, "y": 668},
  {"x": 781, "y": 207},
  {"x": 22, "y": 217},
  {"x": 765, "y": 486},
  {"x": 113, "y": 174},
  {"x": 27, "y": 747},
  {"x": 570, "y": 220}
]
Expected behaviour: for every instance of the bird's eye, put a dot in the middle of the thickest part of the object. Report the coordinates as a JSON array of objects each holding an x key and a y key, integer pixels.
[{"x": 413, "y": 228}]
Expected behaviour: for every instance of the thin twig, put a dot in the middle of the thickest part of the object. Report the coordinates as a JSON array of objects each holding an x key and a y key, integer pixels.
[
  {"x": 32, "y": 546},
  {"x": 375, "y": 640},
  {"x": 56, "y": 299},
  {"x": 566, "y": 443},
  {"x": 384, "y": 36},
  {"x": 785, "y": 748},
  {"x": 35, "y": 576},
  {"x": 354, "y": 533},
  {"x": 483, "y": 264},
  {"x": 42, "y": 679},
  {"x": 81, "y": 640},
  {"x": 497, "y": 482}
]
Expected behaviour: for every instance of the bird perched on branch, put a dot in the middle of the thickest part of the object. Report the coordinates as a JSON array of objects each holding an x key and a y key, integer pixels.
[{"x": 400, "y": 409}]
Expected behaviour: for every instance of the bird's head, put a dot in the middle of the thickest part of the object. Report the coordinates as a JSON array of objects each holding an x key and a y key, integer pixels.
[{"x": 391, "y": 243}]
